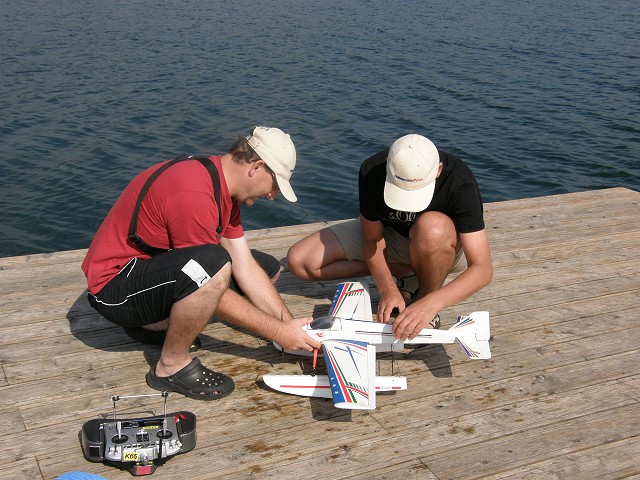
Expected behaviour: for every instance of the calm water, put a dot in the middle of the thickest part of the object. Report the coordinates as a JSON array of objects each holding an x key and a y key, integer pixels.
[{"x": 539, "y": 97}]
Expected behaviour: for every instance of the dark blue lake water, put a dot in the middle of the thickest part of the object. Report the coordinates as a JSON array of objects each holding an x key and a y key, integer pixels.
[{"x": 538, "y": 97}]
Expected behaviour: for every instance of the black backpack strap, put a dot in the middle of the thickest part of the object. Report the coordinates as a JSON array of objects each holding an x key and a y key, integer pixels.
[
  {"x": 133, "y": 226},
  {"x": 215, "y": 181}
]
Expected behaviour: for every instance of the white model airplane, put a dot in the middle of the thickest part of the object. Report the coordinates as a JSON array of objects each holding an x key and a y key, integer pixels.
[{"x": 349, "y": 339}]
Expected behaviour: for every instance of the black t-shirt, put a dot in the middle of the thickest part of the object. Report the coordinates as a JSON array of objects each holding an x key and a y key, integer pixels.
[{"x": 456, "y": 195}]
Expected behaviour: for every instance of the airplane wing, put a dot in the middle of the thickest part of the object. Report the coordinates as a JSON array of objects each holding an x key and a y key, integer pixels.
[
  {"x": 320, "y": 386},
  {"x": 351, "y": 301},
  {"x": 351, "y": 369}
]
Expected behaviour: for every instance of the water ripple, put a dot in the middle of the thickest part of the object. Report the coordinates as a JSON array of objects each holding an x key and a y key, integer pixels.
[{"x": 539, "y": 98}]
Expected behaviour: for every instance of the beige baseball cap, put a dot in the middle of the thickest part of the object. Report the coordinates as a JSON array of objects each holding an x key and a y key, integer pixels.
[
  {"x": 412, "y": 167},
  {"x": 277, "y": 150}
]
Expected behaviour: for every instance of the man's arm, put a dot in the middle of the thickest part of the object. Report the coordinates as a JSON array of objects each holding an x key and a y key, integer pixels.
[
  {"x": 253, "y": 280},
  {"x": 265, "y": 313},
  {"x": 373, "y": 246},
  {"x": 478, "y": 274},
  {"x": 239, "y": 311}
]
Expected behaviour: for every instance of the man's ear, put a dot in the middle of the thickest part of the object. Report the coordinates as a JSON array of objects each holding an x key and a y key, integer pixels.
[
  {"x": 254, "y": 167},
  {"x": 440, "y": 166}
]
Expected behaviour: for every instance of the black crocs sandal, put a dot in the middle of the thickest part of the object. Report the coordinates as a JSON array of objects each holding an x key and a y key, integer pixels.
[
  {"x": 155, "y": 337},
  {"x": 435, "y": 322},
  {"x": 193, "y": 381},
  {"x": 408, "y": 286}
]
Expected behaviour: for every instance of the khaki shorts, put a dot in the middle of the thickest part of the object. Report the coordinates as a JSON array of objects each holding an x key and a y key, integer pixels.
[{"x": 349, "y": 235}]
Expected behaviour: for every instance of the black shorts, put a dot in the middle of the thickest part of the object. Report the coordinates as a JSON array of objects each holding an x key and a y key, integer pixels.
[{"x": 144, "y": 291}]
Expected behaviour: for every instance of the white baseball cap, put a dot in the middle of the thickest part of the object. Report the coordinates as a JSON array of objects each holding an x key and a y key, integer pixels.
[
  {"x": 412, "y": 167},
  {"x": 278, "y": 152}
]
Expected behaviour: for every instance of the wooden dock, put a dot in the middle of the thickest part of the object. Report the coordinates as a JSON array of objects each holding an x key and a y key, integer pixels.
[{"x": 558, "y": 400}]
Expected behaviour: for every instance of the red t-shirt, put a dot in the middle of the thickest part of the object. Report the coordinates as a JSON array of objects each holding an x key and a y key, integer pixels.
[{"x": 179, "y": 210}]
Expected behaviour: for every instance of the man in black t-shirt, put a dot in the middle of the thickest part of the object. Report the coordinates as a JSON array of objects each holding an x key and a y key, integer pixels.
[{"x": 421, "y": 218}]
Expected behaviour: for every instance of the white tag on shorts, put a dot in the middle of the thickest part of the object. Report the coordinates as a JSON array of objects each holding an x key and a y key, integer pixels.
[{"x": 196, "y": 273}]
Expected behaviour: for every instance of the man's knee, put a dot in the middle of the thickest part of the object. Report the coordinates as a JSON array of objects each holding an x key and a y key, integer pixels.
[
  {"x": 296, "y": 260},
  {"x": 221, "y": 279},
  {"x": 433, "y": 231},
  {"x": 307, "y": 258}
]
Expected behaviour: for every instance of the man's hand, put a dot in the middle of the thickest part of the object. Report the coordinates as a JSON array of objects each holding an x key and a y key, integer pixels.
[
  {"x": 293, "y": 337},
  {"x": 389, "y": 299},
  {"x": 412, "y": 319}
]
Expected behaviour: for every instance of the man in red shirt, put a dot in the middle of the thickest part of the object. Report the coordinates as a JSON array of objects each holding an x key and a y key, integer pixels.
[{"x": 171, "y": 253}]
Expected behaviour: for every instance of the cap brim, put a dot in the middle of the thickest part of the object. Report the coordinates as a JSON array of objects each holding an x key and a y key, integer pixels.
[
  {"x": 286, "y": 189},
  {"x": 408, "y": 200}
]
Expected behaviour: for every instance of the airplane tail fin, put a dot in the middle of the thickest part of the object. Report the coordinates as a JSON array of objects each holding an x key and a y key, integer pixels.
[
  {"x": 472, "y": 334},
  {"x": 351, "y": 301},
  {"x": 351, "y": 370}
]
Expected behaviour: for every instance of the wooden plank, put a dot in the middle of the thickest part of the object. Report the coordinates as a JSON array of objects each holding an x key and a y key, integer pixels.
[
  {"x": 588, "y": 199},
  {"x": 3, "y": 377},
  {"x": 413, "y": 469},
  {"x": 12, "y": 420},
  {"x": 36, "y": 281},
  {"x": 27, "y": 469},
  {"x": 43, "y": 259},
  {"x": 536, "y": 444},
  {"x": 605, "y": 462}
]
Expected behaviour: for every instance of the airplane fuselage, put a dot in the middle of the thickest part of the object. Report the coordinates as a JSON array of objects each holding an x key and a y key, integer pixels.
[{"x": 374, "y": 333}]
